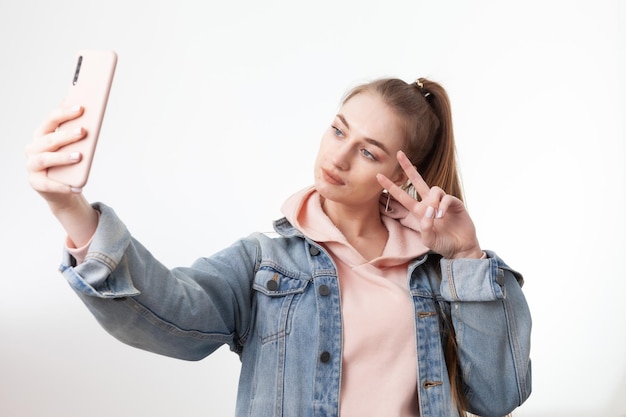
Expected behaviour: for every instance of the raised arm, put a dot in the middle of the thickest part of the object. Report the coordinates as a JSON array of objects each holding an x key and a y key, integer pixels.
[{"x": 185, "y": 312}]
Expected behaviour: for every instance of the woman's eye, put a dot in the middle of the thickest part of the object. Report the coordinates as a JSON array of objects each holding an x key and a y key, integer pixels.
[
  {"x": 368, "y": 154},
  {"x": 338, "y": 131}
]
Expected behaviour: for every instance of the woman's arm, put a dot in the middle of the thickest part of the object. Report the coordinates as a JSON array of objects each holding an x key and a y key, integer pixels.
[
  {"x": 492, "y": 323},
  {"x": 185, "y": 313}
]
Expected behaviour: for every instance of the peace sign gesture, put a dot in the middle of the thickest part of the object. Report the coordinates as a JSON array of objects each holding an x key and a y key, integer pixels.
[{"x": 442, "y": 219}]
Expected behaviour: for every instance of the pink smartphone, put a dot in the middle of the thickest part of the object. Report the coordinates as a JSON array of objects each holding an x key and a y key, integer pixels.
[{"x": 91, "y": 83}]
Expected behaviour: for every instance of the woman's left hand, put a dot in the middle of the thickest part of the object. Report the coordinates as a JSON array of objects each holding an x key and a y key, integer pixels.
[{"x": 444, "y": 223}]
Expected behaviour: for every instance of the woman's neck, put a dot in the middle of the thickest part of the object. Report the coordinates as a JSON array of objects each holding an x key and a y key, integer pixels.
[{"x": 361, "y": 226}]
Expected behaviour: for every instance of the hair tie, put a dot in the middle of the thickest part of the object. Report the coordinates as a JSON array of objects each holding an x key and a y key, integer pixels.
[{"x": 420, "y": 85}]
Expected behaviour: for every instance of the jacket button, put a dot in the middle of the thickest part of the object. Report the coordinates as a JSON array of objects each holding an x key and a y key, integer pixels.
[
  {"x": 314, "y": 251},
  {"x": 325, "y": 357},
  {"x": 324, "y": 290},
  {"x": 272, "y": 285}
]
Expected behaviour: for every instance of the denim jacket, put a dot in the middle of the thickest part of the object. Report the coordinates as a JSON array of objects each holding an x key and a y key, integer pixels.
[{"x": 276, "y": 302}]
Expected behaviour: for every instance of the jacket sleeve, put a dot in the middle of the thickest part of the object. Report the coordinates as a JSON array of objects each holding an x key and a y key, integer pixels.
[
  {"x": 492, "y": 323},
  {"x": 185, "y": 313}
]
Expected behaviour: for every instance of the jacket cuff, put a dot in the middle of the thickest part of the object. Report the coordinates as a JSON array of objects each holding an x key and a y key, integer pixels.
[
  {"x": 91, "y": 277},
  {"x": 472, "y": 279}
]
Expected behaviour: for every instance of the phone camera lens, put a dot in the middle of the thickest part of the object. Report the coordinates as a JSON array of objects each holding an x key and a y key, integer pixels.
[{"x": 77, "y": 71}]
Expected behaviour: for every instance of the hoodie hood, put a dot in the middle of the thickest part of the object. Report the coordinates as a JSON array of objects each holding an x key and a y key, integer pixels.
[{"x": 304, "y": 211}]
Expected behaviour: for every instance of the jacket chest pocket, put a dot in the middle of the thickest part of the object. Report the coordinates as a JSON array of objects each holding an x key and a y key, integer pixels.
[{"x": 277, "y": 296}]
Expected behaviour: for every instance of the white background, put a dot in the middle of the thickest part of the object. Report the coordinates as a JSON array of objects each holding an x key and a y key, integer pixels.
[{"x": 214, "y": 119}]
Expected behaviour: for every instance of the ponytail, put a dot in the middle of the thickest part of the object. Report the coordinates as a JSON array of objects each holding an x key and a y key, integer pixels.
[{"x": 439, "y": 166}]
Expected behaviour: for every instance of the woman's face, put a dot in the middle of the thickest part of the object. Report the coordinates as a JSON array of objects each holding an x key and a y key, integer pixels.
[{"x": 362, "y": 141}]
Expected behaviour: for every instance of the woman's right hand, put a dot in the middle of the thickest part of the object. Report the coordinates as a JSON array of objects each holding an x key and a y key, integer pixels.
[{"x": 45, "y": 151}]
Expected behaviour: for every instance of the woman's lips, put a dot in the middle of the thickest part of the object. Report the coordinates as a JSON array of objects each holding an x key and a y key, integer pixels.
[{"x": 331, "y": 178}]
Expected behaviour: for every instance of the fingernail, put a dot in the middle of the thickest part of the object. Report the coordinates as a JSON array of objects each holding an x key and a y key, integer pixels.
[
  {"x": 429, "y": 212},
  {"x": 76, "y": 190},
  {"x": 74, "y": 156},
  {"x": 78, "y": 131},
  {"x": 75, "y": 109},
  {"x": 439, "y": 214}
]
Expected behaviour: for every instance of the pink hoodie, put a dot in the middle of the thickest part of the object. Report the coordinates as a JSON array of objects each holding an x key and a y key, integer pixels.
[{"x": 379, "y": 368}]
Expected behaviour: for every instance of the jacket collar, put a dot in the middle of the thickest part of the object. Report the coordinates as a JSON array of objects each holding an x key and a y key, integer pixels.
[{"x": 284, "y": 228}]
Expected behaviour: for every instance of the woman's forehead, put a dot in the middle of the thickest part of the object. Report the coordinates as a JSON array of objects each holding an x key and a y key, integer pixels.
[{"x": 368, "y": 114}]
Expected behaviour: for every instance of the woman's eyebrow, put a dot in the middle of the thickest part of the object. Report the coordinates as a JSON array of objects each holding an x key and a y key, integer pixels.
[{"x": 368, "y": 140}]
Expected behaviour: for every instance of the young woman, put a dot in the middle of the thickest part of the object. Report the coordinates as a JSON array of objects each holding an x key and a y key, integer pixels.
[{"x": 376, "y": 299}]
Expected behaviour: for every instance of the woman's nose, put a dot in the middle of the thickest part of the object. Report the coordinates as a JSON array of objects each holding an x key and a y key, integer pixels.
[{"x": 341, "y": 156}]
